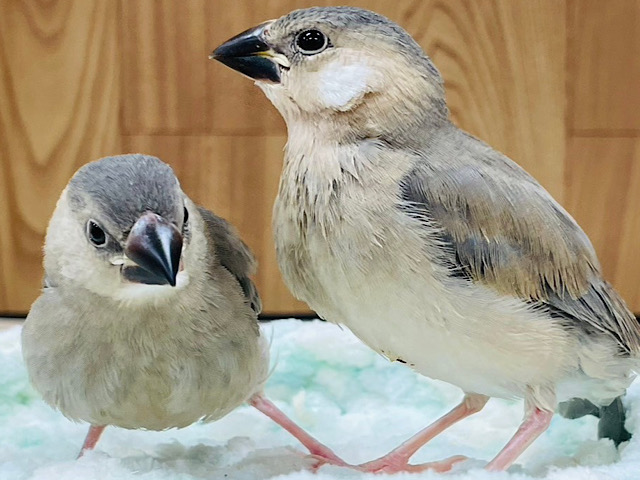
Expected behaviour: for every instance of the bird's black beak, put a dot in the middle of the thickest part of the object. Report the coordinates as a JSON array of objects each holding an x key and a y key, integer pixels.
[
  {"x": 251, "y": 55},
  {"x": 156, "y": 246}
]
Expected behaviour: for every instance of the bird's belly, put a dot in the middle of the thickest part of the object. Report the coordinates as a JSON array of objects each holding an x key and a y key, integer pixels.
[
  {"x": 469, "y": 337},
  {"x": 179, "y": 391},
  {"x": 156, "y": 387},
  {"x": 159, "y": 402}
]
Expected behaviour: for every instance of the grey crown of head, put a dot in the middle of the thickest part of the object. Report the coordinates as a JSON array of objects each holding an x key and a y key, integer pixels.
[
  {"x": 124, "y": 187},
  {"x": 356, "y": 20}
]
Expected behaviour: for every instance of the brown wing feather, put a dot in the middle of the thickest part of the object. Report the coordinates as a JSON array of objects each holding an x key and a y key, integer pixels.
[
  {"x": 233, "y": 254},
  {"x": 499, "y": 227}
]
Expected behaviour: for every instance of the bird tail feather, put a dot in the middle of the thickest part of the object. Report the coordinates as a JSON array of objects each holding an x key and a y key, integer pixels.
[{"x": 612, "y": 417}]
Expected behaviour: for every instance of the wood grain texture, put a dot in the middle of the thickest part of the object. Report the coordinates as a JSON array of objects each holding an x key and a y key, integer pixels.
[
  {"x": 237, "y": 106},
  {"x": 85, "y": 78},
  {"x": 164, "y": 88},
  {"x": 604, "y": 67},
  {"x": 603, "y": 194},
  {"x": 59, "y": 97},
  {"x": 503, "y": 64},
  {"x": 237, "y": 178}
]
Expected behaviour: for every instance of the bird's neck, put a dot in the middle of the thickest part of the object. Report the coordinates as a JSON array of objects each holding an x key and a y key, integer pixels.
[
  {"x": 328, "y": 149},
  {"x": 323, "y": 149},
  {"x": 323, "y": 162},
  {"x": 316, "y": 162}
]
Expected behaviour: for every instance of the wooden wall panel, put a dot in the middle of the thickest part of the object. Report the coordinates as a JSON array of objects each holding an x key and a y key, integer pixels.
[
  {"x": 503, "y": 65},
  {"x": 85, "y": 78},
  {"x": 604, "y": 66},
  {"x": 7, "y": 244},
  {"x": 59, "y": 98},
  {"x": 603, "y": 128},
  {"x": 164, "y": 84},
  {"x": 237, "y": 106},
  {"x": 603, "y": 195},
  {"x": 237, "y": 178}
]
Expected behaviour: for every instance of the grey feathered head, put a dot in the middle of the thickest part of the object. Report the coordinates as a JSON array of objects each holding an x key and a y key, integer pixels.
[
  {"x": 121, "y": 224},
  {"x": 123, "y": 187},
  {"x": 328, "y": 60},
  {"x": 342, "y": 27}
]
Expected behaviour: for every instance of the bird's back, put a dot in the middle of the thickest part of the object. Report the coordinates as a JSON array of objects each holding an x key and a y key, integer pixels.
[{"x": 502, "y": 229}]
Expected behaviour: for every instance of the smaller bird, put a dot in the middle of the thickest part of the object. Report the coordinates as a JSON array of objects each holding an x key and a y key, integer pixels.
[{"x": 148, "y": 316}]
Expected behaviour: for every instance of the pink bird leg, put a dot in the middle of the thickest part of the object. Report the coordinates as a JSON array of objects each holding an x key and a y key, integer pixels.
[
  {"x": 92, "y": 438},
  {"x": 398, "y": 459},
  {"x": 316, "y": 448},
  {"x": 532, "y": 427}
]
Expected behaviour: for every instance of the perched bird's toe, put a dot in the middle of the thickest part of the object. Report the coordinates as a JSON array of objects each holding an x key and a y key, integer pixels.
[
  {"x": 390, "y": 464},
  {"x": 319, "y": 461},
  {"x": 328, "y": 457}
]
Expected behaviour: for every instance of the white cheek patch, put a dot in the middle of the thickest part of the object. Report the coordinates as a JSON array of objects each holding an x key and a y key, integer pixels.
[{"x": 339, "y": 85}]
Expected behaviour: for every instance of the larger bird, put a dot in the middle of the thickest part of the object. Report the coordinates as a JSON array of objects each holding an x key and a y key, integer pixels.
[
  {"x": 433, "y": 248},
  {"x": 148, "y": 317}
]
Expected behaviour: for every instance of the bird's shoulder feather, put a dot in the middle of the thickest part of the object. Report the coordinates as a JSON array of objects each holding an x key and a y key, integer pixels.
[{"x": 233, "y": 254}]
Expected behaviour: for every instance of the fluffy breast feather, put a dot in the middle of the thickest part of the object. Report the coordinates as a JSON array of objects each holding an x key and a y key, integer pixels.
[{"x": 154, "y": 369}]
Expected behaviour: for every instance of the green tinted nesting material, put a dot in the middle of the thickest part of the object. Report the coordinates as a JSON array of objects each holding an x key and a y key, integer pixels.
[{"x": 339, "y": 390}]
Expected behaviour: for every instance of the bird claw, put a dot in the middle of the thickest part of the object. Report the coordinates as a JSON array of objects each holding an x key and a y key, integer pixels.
[
  {"x": 393, "y": 465},
  {"x": 326, "y": 456},
  {"x": 385, "y": 464},
  {"x": 318, "y": 461}
]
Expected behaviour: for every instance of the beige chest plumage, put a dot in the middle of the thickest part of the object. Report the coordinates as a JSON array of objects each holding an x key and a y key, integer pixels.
[{"x": 152, "y": 371}]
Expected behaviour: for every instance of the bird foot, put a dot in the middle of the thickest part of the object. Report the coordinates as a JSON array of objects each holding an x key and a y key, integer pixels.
[
  {"x": 388, "y": 464},
  {"x": 330, "y": 457},
  {"x": 324, "y": 456},
  {"x": 317, "y": 461},
  {"x": 396, "y": 464}
]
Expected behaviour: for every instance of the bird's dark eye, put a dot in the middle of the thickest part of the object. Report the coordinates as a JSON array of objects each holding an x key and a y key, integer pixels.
[
  {"x": 96, "y": 234},
  {"x": 186, "y": 216},
  {"x": 311, "y": 42}
]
